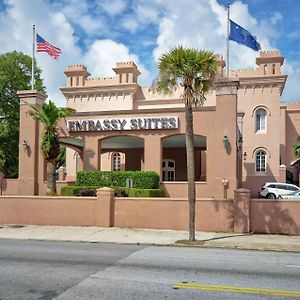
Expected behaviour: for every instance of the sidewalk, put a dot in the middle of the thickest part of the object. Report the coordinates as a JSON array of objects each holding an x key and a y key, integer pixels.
[{"x": 150, "y": 237}]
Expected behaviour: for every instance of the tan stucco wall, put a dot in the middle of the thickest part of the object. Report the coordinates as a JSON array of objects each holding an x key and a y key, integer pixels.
[
  {"x": 211, "y": 214},
  {"x": 275, "y": 216},
  {"x": 49, "y": 211}
]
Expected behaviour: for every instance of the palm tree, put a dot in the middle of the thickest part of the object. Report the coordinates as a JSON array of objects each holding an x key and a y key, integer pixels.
[
  {"x": 49, "y": 115},
  {"x": 194, "y": 70},
  {"x": 296, "y": 148}
]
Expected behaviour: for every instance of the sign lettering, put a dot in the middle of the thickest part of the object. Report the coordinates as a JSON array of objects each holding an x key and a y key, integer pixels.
[{"x": 146, "y": 123}]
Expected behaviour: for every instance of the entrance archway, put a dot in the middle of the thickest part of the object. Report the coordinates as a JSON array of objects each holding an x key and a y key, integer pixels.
[
  {"x": 128, "y": 149},
  {"x": 174, "y": 151}
]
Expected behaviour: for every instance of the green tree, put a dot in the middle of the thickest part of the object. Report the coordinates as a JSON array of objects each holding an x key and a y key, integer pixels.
[
  {"x": 296, "y": 148},
  {"x": 50, "y": 115},
  {"x": 61, "y": 157},
  {"x": 194, "y": 70},
  {"x": 15, "y": 74}
]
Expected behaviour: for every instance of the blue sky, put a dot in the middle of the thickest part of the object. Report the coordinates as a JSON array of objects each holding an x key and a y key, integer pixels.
[{"x": 101, "y": 33}]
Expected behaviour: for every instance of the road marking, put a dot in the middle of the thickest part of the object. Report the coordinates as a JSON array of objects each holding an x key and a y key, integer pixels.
[
  {"x": 293, "y": 266},
  {"x": 237, "y": 289}
]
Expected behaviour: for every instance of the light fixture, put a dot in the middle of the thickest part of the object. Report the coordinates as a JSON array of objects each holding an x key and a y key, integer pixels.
[
  {"x": 25, "y": 145},
  {"x": 245, "y": 155},
  {"x": 240, "y": 143},
  {"x": 226, "y": 141}
]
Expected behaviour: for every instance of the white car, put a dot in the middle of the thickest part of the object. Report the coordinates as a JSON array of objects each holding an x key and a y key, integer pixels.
[
  {"x": 294, "y": 196},
  {"x": 272, "y": 190}
]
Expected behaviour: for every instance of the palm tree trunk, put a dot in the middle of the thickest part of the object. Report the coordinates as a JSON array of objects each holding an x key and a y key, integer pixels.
[
  {"x": 190, "y": 157},
  {"x": 51, "y": 178}
]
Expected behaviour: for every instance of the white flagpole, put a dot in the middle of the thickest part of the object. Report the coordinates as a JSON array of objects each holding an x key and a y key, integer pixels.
[
  {"x": 33, "y": 57},
  {"x": 227, "y": 42}
]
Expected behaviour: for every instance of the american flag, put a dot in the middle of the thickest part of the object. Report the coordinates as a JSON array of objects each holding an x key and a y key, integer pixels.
[{"x": 44, "y": 46}]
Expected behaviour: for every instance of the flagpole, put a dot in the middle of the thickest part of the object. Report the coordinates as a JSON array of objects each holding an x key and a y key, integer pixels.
[
  {"x": 227, "y": 42},
  {"x": 33, "y": 57}
]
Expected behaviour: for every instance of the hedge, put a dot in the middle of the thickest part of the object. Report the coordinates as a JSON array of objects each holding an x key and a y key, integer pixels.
[
  {"x": 119, "y": 191},
  {"x": 90, "y": 191},
  {"x": 140, "y": 179},
  {"x": 146, "y": 193}
]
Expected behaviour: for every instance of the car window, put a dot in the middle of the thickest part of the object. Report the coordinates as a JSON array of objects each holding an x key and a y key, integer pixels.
[
  {"x": 281, "y": 186},
  {"x": 292, "y": 188},
  {"x": 273, "y": 186}
]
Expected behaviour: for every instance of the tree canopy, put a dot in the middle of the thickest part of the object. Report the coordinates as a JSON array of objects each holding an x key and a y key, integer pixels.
[{"x": 15, "y": 74}]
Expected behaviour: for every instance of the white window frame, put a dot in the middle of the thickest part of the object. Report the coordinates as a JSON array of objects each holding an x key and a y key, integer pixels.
[
  {"x": 166, "y": 171},
  {"x": 260, "y": 120},
  {"x": 116, "y": 161},
  {"x": 260, "y": 161}
]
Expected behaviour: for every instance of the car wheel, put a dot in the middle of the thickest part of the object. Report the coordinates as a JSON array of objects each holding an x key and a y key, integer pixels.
[{"x": 271, "y": 196}]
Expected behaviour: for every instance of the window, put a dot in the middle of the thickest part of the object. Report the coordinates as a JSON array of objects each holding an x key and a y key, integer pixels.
[
  {"x": 261, "y": 115},
  {"x": 292, "y": 188},
  {"x": 116, "y": 162},
  {"x": 168, "y": 170},
  {"x": 260, "y": 161},
  {"x": 273, "y": 69}
]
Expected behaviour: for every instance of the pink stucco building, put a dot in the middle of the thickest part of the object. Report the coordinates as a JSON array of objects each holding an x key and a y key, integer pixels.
[{"x": 243, "y": 134}]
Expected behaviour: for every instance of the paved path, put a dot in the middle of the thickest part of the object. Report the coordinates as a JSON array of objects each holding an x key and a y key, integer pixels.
[{"x": 150, "y": 237}]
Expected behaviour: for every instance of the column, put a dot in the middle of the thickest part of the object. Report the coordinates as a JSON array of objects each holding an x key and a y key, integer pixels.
[
  {"x": 152, "y": 153},
  {"x": 29, "y": 143}
]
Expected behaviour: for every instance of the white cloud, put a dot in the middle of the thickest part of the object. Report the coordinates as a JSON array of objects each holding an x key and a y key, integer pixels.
[
  {"x": 130, "y": 24},
  {"x": 113, "y": 7},
  {"x": 103, "y": 56},
  {"x": 292, "y": 85},
  {"x": 276, "y": 17},
  {"x": 53, "y": 27}
]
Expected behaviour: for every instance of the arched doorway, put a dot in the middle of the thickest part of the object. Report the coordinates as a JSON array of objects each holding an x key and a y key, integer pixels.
[
  {"x": 121, "y": 153},
  {"x": 174, "y": 158}
]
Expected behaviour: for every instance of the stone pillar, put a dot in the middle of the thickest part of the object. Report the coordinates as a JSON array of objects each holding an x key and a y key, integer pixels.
[
  {"x": 29, "y": 152},
  {"x": 152, "y": 154},
  {"x": 105, "y": 211},
  {"x": 222, "y": 151},
  {"x": 241, "y": 211},
  {"x": 282, "y": 173}
]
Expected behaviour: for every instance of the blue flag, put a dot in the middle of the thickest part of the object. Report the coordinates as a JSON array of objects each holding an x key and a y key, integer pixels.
[{"x": 242, "y": 36}]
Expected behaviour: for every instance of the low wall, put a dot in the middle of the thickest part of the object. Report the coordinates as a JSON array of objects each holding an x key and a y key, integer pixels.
[
  {"x": 275, "y": 216},
  {"x": 167, "y": 213},
  {"x": 36, "y": 210},
  {"x": 240, "y": 214}
]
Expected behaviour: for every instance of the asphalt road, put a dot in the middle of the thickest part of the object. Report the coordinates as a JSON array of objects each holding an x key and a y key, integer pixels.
[{"x": 67, "y": 270}]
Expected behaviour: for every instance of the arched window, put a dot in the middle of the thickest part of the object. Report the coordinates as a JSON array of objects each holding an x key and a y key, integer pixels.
[
  {"x": 168, "y": 170},
  {"x": 116, "y": 162},
  {"x": 261, "y": 119},
  {"x": 260, "y": 161}
]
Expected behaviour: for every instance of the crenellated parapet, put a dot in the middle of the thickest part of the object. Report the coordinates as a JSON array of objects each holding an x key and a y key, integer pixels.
[
  {"x": 76, "y": 75},
  {"x": 126, "y": 73}
]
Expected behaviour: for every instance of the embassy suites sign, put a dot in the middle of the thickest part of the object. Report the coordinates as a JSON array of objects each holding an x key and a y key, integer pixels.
[{"x": 142, "y": 123}]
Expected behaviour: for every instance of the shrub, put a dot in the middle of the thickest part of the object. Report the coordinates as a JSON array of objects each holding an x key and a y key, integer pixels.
[
  {"x": 88, "y": 192},
  {"x": 140, "y": 179},
  {"x": 146, "y": 193},
  {"x": 118, "y": 191},
  {"x": 76, "y": 190}
]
